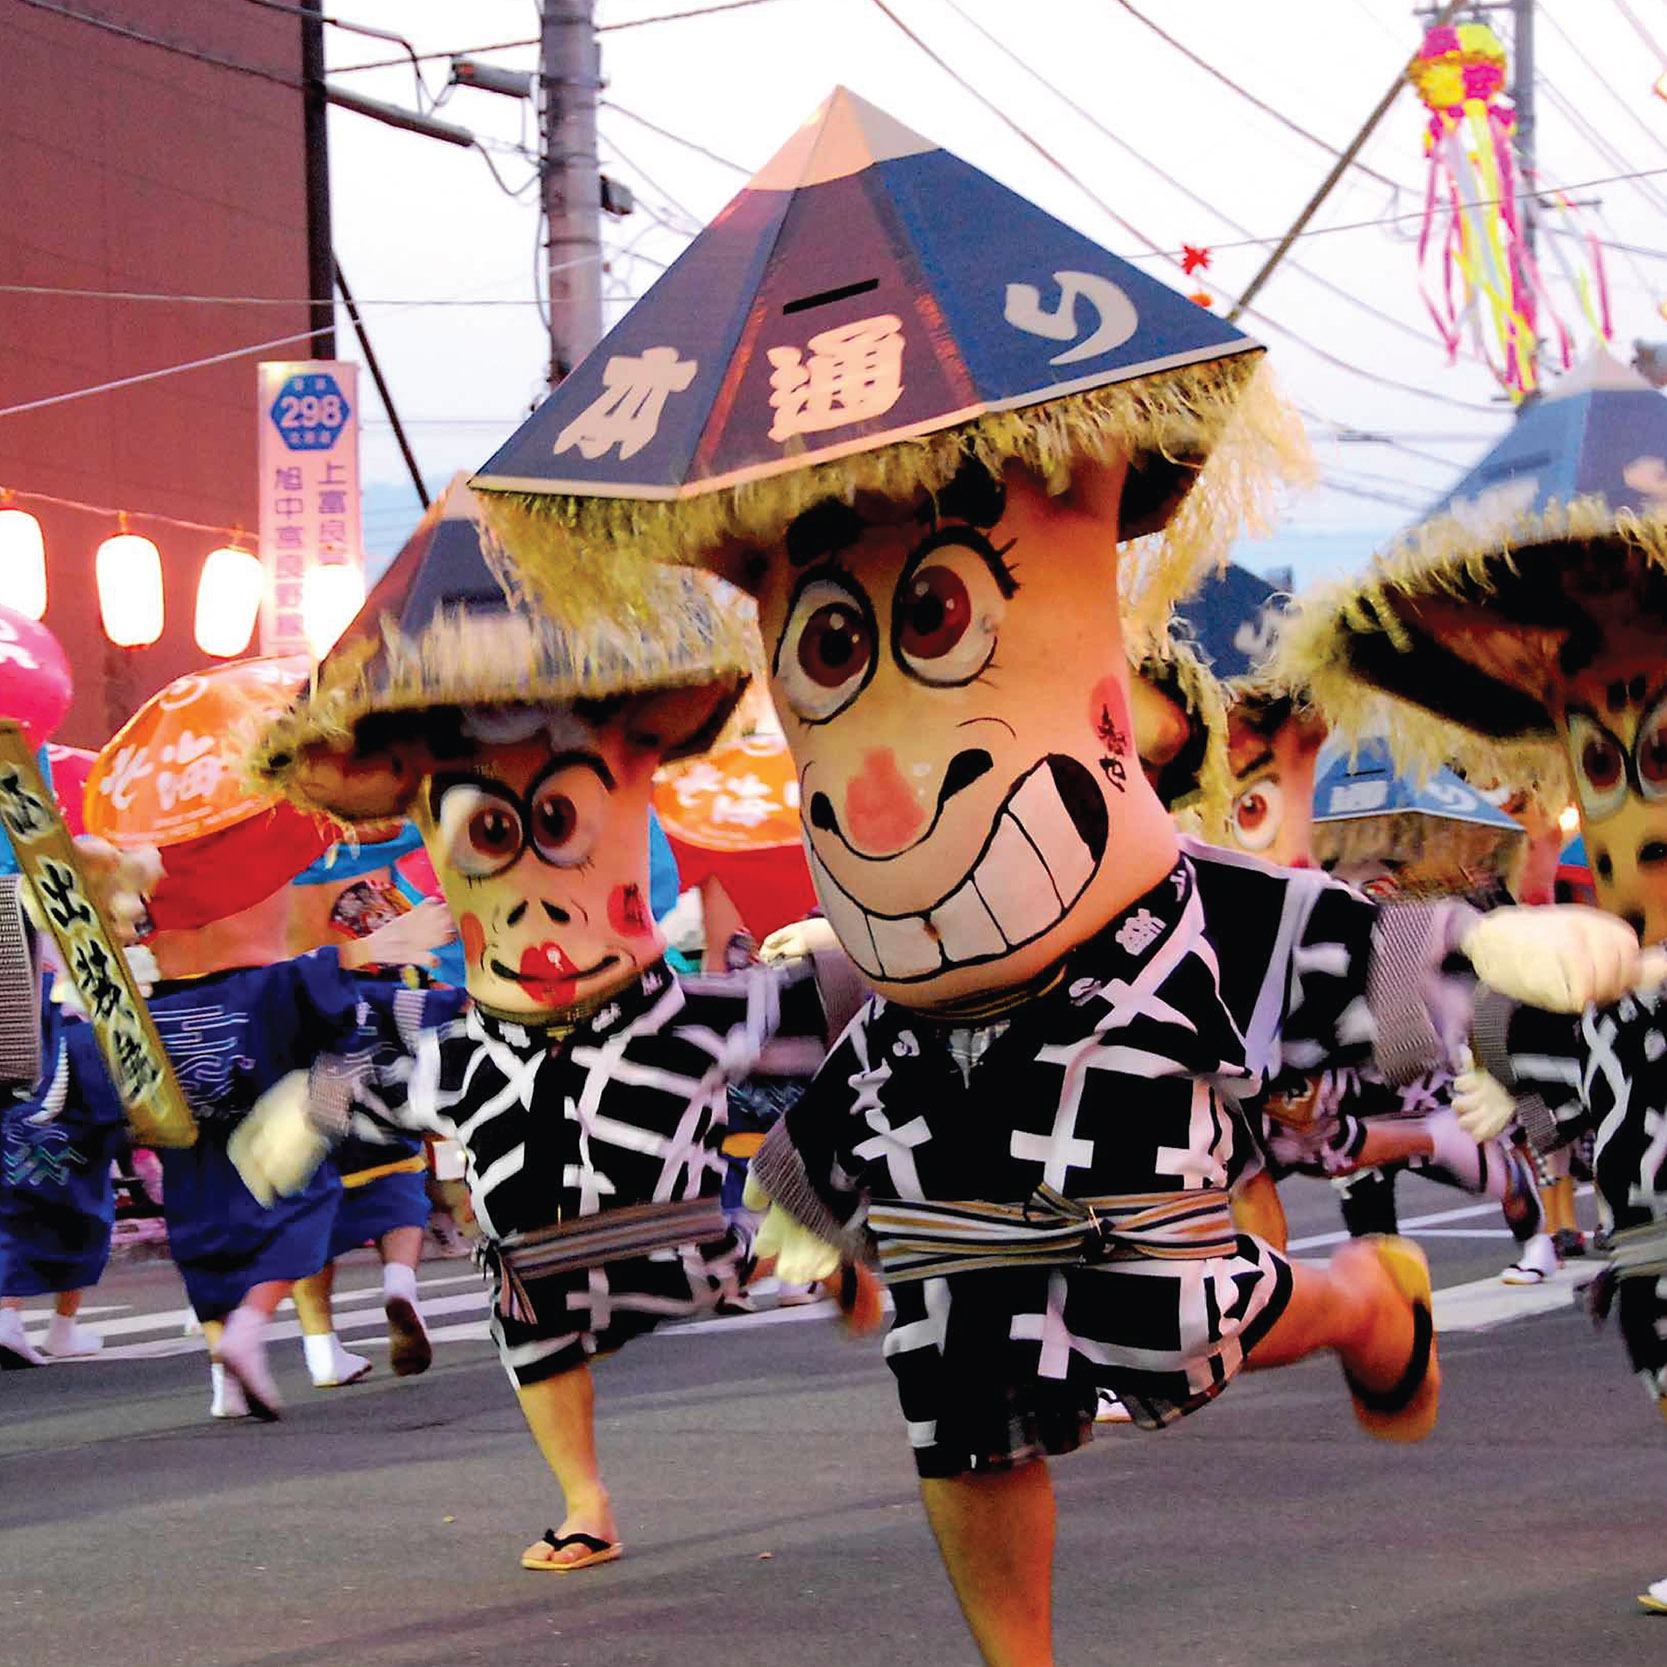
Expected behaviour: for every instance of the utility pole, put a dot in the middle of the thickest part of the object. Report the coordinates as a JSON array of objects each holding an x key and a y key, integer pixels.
[
  {"x": 570, "y": 77},
  {"x": 1522, "y": 96},
  {"x": 321, "y": 261}
]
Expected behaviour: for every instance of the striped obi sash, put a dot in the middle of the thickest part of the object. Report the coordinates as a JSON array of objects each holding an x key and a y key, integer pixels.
[
  {"x": 924, "y": 1240},
  {"x": 1639, "y": 1252},
  {"x": 591, "y": 1241}
]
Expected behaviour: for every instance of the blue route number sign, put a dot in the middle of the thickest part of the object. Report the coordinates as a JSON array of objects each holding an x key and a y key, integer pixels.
[{"x": 310, "y": 412}]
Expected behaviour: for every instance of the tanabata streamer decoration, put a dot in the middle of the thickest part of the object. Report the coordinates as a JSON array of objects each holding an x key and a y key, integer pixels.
[
  {"x": 1479, "y": 277},
  {"x": 172, "y": 777}
]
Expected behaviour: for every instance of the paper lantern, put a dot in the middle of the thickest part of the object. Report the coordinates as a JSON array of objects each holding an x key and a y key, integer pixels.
[
  {"x": 22, "y": 563},
  {"x": 129, "y": 570},
  {"x": 330, "y": 597},
  {"x": 228, "y": 599}
]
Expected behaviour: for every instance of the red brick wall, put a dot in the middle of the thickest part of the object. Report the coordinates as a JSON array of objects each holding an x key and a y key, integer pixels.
[{"x": 124, "y": 167}]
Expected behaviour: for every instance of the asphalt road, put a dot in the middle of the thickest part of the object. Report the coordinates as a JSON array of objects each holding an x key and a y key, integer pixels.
[{"x": 763, "y": 1487}]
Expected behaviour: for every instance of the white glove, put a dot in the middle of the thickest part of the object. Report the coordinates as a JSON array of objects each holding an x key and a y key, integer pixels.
[
  {"x": 801, "y": 938},
  {"x": 119, "y": 880},
  {"x": 276, "y": 1148},
  {"x": 1560, "y": 959},
  {"x": 1484, "y": 1104},
  {"x": 409, "y": 940},
  {"x": 801, "y": 1258}
]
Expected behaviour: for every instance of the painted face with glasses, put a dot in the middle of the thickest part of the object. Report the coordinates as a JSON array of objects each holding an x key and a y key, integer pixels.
[
  {"x": 1614, "y": 727},
  {"x": 540, "y": 843}
]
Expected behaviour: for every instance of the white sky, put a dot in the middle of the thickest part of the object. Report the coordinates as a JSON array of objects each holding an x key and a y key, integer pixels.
[{"x": 418, "y": 220}]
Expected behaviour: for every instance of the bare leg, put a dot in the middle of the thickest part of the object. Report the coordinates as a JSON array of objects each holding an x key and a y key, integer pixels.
[
  {"x": 409, "y": 1350},
  {"x": 1354, "y": 1307},
  {"x": 995, "y": 1531},
  {"x": 69, "y": 1303},
  {"x": 1257, "y": 1209},
  {"x": 1391, "y": 1142},
  {"x": 312, "y": 1301},
  {"x": 561, "y": 1413}
]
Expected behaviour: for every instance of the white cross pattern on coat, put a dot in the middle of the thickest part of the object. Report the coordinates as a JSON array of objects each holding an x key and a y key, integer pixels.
[
  {"x": 923, "y": 1334},
  {"x": 1061, "y": 1149},
  {"x": 1048, "y": 1329}
]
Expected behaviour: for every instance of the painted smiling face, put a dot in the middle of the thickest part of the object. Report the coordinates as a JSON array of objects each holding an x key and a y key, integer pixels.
[
  {"x": 953, "y": 685},
  {"x": 541, "y": 848},
  {"x": 1272, "y": 814},
  {"x": 1613, "y": 722}
]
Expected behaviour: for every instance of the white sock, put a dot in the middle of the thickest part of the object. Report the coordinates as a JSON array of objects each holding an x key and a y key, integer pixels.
[
  {"x": 399, "y": 1281},
  {"x": 64, "y": 1336},
  {"x": 228, "y": 1399},
  {"x": 329, "y": 1363},
  {"x": 13, "y": 1336}
]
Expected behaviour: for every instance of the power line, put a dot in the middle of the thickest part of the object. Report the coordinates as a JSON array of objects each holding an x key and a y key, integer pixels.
[
  {"x": 430, "y": 57},
  {"x": 1135, "y": 232},
  {"x": 183, "y": 51},
  {"x": 72, "y": 293},
  {"x": 676, "y": 138},
  {"x": 678, "y": 17},
  {"x": 1245, "y": 93},
  {"x": 1644, "y": 35},
  {"x": 1169, "y": 179}
]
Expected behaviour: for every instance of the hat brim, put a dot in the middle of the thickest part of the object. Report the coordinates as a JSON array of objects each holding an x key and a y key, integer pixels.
[
  {"x": 1208, "y": 445},
  {"x": 1458, "y": 637}
]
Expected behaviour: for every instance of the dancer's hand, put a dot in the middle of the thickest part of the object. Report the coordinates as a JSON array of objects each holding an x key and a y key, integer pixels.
[
  {"x": 1484, "y": 1104},
  {"x": 276, "y": 1148},
  {"x": 801, "y": 938},
  {"x": 409, "y": 940},
  {"x": 120, "y": 881},
  {"x": 1560, "y": 959},
  {"x": 800, "y": 1257}
]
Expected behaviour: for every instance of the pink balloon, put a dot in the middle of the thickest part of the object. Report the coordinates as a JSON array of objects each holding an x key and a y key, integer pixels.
[{"x": 35, "y": 683}]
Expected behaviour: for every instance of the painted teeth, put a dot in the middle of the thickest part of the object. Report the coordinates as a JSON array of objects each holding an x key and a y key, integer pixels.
[
  {"x": 1048, "y": 826},
  {"x": 847, "y": 917},
  {"x": 966, "y": 928},
  {"x": 1014, "y": 882},
  {"x": 1035, "y": 868},
  {"x": 905, "y": 945}
]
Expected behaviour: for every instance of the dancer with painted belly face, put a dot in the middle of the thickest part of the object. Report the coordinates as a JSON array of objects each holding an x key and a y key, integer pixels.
[
  {"x": 585, "y": 1084},
  {"x": 1025, "y": 1125}
]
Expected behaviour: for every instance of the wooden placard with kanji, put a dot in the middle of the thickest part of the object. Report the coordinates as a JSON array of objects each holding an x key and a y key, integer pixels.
[{"x": 150, "y": 1093}]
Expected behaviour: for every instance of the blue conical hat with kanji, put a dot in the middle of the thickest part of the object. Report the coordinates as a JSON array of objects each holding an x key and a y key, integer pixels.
[
  {"x": 1553, "y": 542},
  {"x": 442, "y": 631},
  {"x": 867, "y": 313}
]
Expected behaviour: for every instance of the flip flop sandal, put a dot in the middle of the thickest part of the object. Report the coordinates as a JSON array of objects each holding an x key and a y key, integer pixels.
[
  {"x": 596, "y": 1551},
  {"x": 1655, "y": 1605},
  {"x": 409, "y": 1350},
  {"x": 1519, "y": 1273},
  {"x": 1407, "y": 1412}
]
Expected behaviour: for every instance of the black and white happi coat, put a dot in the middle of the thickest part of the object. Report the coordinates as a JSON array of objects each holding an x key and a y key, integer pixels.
[
  {"x": 624, "y": 1109},
  {"x": 1602, "y": 1072},
  {"x": 1125, "y": 1077},
  {"x": 1347, "y": 1104}
]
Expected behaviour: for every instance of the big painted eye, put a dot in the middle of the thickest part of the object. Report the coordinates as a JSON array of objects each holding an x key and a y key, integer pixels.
[
  {"x": 945, "y": 616},
  {"x": 826, "y": 653},
  {"x": 1257, "y": 815},
  {"x": 480, "y": 831},
  {"x": 569, "y": 811},
  {"x": 1599, "y": 766},
  {"x": 1649, "y": 751}
]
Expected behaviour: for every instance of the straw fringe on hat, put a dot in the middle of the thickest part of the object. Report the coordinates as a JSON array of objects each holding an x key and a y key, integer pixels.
[
  {"x": 1337, "y": 630},
  {"x": 618, "y": 630},
  {"x": 1195, "y": 777},
  {"x": 1229, "y": 411},
  {"x": 1454, "y": 638}
]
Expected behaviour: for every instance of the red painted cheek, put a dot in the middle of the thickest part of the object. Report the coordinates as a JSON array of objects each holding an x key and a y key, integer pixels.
[
  {"x": 1108, "y": 715},
  {"x": 628, "y": 911},
  {"x": 473, "y": 934},
  {"x": 881, "y": 814}
]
